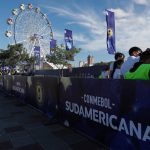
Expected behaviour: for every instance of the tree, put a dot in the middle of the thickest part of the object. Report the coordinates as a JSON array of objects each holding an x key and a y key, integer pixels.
[
  {"x": 61, "y": 56},
  {"x": 14, "y": 55},
  {"x": 4, "y": 55},
  {"x": 102, "y": 63}
]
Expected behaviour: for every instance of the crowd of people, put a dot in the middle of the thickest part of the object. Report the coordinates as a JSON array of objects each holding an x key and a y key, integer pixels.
[
  {"x": 136, "y": 66},
  {"x": 8, "y": 71}
]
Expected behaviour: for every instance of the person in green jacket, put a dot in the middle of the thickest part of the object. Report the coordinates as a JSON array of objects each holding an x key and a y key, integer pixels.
[{"x": 141, "y": 69}]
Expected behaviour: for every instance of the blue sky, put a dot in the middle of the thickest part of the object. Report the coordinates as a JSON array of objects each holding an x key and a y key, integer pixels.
[{"x": 87, "y": 21}]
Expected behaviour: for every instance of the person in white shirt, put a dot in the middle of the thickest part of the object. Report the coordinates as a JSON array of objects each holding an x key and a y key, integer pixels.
[
  {"x": 116, "y": 73},
  {"x": 134, "y": 53},
  {"x": 104, "y": 74},
  {"x": 118, "y": 56}
]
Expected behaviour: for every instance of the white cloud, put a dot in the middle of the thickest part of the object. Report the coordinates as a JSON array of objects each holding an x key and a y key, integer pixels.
[
  {"x": 58, "y": 35},
  {"x": 86, "y": 18},
  {"x": 77, "y": 37},
  {"x": 132, "y": 28},
  {"x": 80, "y": 38},
  {"x": 142, "y": 2},
  {"x": 84, "y": 42},
  {"x": 120, "y": 13},
  {"x": 94, "y": 45}
]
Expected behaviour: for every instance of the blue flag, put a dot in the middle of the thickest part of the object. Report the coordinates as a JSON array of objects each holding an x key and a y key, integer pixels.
[
  {"x": 68, "y": 39},
  {"x": 52, "y": 46},
  {"x": 37, "y": 55},
  {"x": 110, "y": 20}
]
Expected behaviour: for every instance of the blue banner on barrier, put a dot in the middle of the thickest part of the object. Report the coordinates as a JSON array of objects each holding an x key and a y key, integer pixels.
[
  {"x": 19, "y": 86},
  {"x": 7, "y": 83},
  {"x": 114, "y": 112},
  {"x": 1, "y": 81},
  {"x": 43, "y": 93}
]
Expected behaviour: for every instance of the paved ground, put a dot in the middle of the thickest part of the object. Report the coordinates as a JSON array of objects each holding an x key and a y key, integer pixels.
[{"x": 25, "y": 128}]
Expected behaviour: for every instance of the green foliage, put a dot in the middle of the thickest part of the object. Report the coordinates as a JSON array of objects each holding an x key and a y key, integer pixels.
[
  {"x": 102, "y": 63},
  {"x": 14, "y": 55},
  {"x": 4, "y": 54},
  {"x": 61, "y": 56}
]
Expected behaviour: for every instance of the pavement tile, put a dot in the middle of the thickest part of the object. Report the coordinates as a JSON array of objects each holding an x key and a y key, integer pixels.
[
  {"x": 3, "y": 137},
  {"x": 54, "y": 127},
  {"x": 50, "y": 142},
  {"x": 17, "y": 113},
  {"x": 22, "y": 141},
  {"x": 29, "y": 126},
  {"x": 14, "y": 129},
  {"x": 7, "y": 123},
  {"x": 37, "y": 118},
  {"x": 87, "y": 145},
  {"x": 18, "y": 134},
  {"x": 5, "y": 116},
  {"x": 68, "y": 136},
  {"x": 5, "y": 145},
  {"x": 40, "y": 131},
  {"x": 35, "y": 146}
]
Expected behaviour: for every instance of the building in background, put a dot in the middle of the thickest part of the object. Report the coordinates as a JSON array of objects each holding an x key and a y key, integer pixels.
[
  {"x": 81, "y": 63},
  {"x": 90, "y": 60}
]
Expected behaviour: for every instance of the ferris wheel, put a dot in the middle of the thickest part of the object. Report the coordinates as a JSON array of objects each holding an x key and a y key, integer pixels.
[{"x": 29, "y": 26}]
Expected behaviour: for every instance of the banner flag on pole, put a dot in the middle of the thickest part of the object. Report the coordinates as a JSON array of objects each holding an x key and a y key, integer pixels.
[
  {"x": 68, "y": 39},
  {"x": 37, "y": 55},
  {"x": 52, "y": 46},
  {"x": 110, "y": 20}
]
